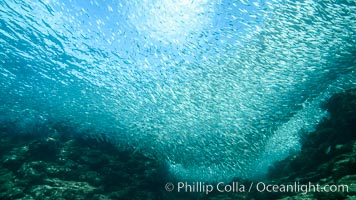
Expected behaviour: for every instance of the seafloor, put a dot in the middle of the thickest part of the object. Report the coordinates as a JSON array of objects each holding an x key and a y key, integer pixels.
[{"x": 59, "y": 164}]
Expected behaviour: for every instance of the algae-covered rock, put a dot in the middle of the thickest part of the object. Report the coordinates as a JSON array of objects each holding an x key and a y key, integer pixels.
[
  {"x": 54, "y": 166},
  {"x": 350, "y": 182},
  {"x": 328, "y": 154}
]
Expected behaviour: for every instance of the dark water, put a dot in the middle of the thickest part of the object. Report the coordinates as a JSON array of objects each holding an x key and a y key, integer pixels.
[{"x": 214, "y": 89}]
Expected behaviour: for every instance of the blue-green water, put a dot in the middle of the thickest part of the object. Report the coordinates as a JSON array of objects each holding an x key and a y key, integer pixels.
[{"x": 216, "y": 89}]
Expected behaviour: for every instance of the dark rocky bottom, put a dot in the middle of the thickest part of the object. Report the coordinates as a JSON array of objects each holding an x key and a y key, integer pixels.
[
  {"x": 60, "y": 165},
  {"x": 64, "y": 166}
]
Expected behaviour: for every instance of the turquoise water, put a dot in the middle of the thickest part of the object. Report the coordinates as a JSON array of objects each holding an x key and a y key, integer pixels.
[{"x": 215, "y": 89}]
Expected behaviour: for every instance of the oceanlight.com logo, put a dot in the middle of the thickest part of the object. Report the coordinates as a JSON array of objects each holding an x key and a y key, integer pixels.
[{"x": 236, "y": 187}]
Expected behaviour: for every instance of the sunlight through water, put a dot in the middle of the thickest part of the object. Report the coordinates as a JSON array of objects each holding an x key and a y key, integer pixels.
[
  {"x": 171, "y": 21},
  {"x": 216, "y": 89}
]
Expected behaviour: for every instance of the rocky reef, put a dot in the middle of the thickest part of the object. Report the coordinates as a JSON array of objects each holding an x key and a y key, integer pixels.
[
  {"x": 327, "y": 158},
  {"x": 59, "y": 164},
  {"x": 328, "y": 155}
]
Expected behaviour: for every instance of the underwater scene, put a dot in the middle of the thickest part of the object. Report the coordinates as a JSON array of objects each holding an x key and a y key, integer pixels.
[{"x": 177, "y": 99}]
